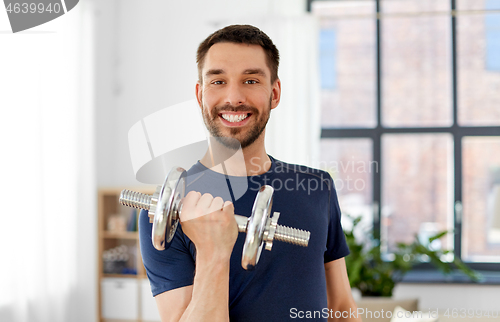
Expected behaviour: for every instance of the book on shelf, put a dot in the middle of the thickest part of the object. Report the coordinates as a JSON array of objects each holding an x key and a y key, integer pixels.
[{"x": 132, "y": 222}]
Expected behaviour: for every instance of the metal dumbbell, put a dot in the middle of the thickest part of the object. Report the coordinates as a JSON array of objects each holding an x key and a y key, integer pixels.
[{"x": 164, "y": 209}]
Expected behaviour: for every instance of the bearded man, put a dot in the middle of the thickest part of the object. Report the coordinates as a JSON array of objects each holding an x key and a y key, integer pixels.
[{"x": 199, "y": 277}]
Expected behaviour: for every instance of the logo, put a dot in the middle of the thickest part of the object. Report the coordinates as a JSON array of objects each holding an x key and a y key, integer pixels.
[{"x": 26, "y": 14}]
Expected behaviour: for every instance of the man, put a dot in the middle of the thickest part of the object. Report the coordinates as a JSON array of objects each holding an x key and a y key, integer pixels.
[{"x": 238, "y": 87}]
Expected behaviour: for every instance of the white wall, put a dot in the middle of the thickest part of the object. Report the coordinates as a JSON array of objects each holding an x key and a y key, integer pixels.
[{"x": 145, "y": 61}]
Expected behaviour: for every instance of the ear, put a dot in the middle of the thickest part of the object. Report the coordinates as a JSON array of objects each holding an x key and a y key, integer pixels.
[
  {"x": 198, "y": 90},
  {"x": 276, "y": 93}
]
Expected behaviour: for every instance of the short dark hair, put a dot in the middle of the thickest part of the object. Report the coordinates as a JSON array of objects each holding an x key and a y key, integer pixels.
[{"x": 241, "y": 34}]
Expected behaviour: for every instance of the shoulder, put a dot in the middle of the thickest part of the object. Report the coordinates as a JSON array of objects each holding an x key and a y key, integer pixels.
[
  {"x": 297, "y": 169},
  {"x": 298, "y": 179}
]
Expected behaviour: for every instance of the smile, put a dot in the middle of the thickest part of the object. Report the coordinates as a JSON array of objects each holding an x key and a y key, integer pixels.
[{"x": 234, "y": 118}]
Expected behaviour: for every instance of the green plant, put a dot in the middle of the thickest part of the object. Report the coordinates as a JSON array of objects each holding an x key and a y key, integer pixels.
[{"x": 374, "y": 276}]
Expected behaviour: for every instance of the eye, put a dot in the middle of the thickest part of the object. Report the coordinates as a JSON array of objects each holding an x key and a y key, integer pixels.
[
  {"x": 251, "y": 81},
  {"x": 218, "y": 82}
]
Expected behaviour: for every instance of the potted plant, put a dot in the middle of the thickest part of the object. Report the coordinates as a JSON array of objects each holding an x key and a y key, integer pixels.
[{"x": 374, "y": 276}]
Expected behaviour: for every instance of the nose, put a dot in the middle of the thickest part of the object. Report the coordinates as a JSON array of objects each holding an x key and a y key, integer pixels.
[{"x": 235, "y": 95}]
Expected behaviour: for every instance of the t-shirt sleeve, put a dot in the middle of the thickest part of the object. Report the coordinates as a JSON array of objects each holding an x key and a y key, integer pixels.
[
  {"x": 336, "y": 245},
  {"x": 167, "y": 269}
]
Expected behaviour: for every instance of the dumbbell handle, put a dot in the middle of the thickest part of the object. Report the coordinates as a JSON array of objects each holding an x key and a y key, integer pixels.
[{"x": 282, "y": 233}]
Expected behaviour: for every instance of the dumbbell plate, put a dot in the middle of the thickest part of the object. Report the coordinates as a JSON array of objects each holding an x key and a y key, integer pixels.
[
  {"x": 256, "y": 226},
  {"x": 166, "y": 216}
]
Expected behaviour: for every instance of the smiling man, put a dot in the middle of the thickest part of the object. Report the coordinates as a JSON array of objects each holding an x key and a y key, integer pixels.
[{"x": 199, "y": 277}]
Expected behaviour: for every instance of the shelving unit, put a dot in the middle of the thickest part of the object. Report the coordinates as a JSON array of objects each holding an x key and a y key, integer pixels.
[{"x": 123, "y": 286}]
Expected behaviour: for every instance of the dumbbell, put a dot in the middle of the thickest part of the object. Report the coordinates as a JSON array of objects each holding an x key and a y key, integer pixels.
[{"x": 164, "y": 208}]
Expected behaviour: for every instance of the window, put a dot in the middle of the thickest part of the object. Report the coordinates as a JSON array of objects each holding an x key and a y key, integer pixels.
[
  {"x": 327, "y": 43},
  {"x": 411, "y": 113},
  {"x": 492, "y": 25}
]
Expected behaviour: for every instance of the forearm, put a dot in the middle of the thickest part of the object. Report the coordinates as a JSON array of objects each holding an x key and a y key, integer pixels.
[{"x": 210, "y": 297}]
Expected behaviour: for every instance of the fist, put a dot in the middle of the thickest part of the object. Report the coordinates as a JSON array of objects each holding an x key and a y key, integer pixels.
[{"x": 210, "y": 224}]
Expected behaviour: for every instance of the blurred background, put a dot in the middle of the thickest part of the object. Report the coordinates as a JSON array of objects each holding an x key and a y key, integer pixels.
[{"x": 398, "y": 99}]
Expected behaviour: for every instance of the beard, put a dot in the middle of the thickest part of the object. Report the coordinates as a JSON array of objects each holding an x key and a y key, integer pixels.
[{"x": 232, "y": 141}]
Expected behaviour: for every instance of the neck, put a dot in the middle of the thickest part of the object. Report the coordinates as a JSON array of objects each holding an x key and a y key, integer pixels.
[{"x": 250, "y": 161}]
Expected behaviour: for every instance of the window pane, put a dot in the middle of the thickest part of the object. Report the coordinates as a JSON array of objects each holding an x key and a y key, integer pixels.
[
  {"x": 347, "y": 63},
  {"x": 463, "y": 5},
  {"x": 417, "y": 187},
  {"x": 349, "y": 162},
  {"x": 416, "y": 63},
  {"x": 478, "y": 64},
  {"x": 481, "y": 199}
]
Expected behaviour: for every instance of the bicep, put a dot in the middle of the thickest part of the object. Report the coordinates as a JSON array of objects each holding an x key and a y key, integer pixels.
[{"x": 172, "y": 304}]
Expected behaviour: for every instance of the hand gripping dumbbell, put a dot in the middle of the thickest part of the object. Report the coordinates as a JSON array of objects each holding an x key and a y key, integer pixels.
[{"x": 164, "y": 208}]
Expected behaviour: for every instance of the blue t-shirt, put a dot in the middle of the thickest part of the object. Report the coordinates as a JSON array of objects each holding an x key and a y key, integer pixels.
[{"x": 288, "y": 278}]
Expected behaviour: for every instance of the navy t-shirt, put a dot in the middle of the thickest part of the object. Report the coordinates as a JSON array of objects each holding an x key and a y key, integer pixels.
[{"x": 288, "y": 278}]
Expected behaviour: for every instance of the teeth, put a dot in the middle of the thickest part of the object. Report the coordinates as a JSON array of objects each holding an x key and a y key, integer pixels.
[{"x": 234, "y": 118}]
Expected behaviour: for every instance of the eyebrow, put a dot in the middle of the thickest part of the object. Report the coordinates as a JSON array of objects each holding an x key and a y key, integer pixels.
[
  {"x": 211, "y": 72},
  {"x": 255, "y": 71},
  {"x": 251, "y": 71}
]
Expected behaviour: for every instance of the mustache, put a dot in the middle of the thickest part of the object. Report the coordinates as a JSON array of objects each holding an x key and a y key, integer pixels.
[{"x": 231, "y": 108}]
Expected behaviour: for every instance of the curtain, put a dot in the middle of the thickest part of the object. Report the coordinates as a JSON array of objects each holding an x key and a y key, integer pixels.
[{"x": 47, "y": 227}]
